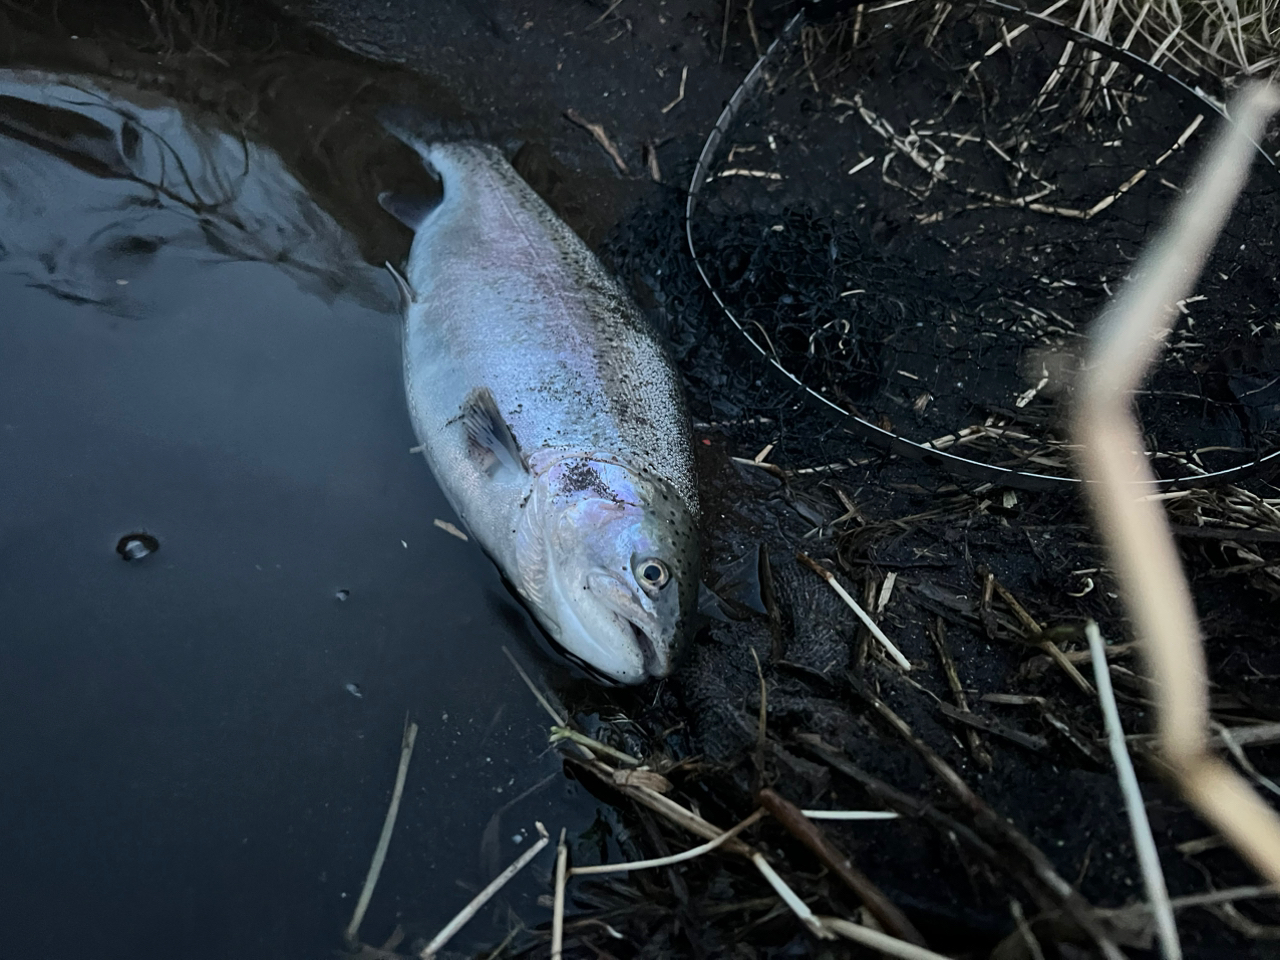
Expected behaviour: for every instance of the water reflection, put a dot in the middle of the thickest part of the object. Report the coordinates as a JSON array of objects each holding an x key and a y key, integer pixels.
[
  {"x": 200, "y": 746},
  {"x": 136, "y": 546},
  {"x": 174, "y": 182}
]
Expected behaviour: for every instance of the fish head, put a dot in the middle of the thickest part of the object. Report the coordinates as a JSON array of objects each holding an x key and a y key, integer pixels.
[{"x": 618, "y": 586}]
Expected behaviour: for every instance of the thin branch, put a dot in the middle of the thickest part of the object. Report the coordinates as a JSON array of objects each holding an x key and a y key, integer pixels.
[
  {"x": 851, "y": 814},
  {"x": 564, "y": 733},
  {"x": 673, "y": 858},
  {"x": 838, "y": 862},
  {"x": 695, "y": 824},
  {"x": 602, "y": 138},
  {"x": 862, "y": 615},
  {"x": 384, "y": 841},
  {"x": 1144, "y": 844},
  {"x": 684, "y": 75},
  {"x": 886, "y": 944},
  {"x": 1124, "y": 341},
  {"x": 528, "y": 682},
  {"x": 484, "y": 896},
  {"x": 557, "y": 916}
]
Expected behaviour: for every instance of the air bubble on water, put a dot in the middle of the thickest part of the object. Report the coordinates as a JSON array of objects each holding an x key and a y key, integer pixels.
[{"x": 135, "y": 546}]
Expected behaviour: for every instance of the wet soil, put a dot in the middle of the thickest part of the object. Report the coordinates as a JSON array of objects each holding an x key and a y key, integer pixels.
[{"x": 186, "y": 703}]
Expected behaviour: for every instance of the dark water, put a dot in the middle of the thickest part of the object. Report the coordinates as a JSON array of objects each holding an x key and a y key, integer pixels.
[{"x": 198, "y": 745}]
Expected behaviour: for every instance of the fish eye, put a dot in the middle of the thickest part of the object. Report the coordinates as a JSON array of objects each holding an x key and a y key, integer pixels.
[{"x": 653, "y": 573}]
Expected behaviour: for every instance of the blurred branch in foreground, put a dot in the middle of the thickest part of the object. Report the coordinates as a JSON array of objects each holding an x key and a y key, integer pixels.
[{"x": 1124, "y": 342}]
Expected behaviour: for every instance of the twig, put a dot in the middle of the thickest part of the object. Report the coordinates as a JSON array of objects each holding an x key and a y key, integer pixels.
[
  {"x": 1029, "y": 622},
  {"x": 837, "y": 861},
  {"x": 1048, "y": 885},
  {"x": 506, "y": 942},
  {"x": 1114, "y": 652},
  {"x": 908, "y": 806},
  {"x": 1236, "y": 751},
  {"x": 600, "y": 19},
  {"x": 667, "y": 861},
  {"x": 1261, "y": 735},
  {"x": 762, "y": 721},
  {"x": 1144, "y": 844},
  {"x": 564, "y": 733},
  {"x": 684, "y": 75},
  {"x": 878, "y": 941},
  {"x": 724, "y": 31},
  {"x": 695, "y": 824},
  {"x": 528, "y": 682},
  {"x": 862, "y": 615},
  {"x": 751, "y": 28},
  {"x": 546, "y": 705},
  {"x": 1124, "y": 340},
  {"x": 1247, "y": 534},
  {"x": 557, "y": 916},
  {"x": 483, "y": 897},
  {"x": 384, "y": 841},
  {"x": 987, "y": 725},
  {"x": 980, "y": 753},
  {"x": 651, "y": 161},
  {"x": 851, "y": 814},
  {"x": 601, "y": 138},
  {"x": 1229, "y": 895},
  {"x": 395, "y": 938},
  {"x": 798, "y": 906},
  {"x": 886, "y": 590},
  {"x": 1036, "y": 636},
  {"x": 450, "y": 529},
  {"x": 1024, "y": 931},
  {"x": 755, "y": 175}
]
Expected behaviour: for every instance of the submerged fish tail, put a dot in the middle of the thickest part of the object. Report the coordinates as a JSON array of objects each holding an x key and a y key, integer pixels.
[{"x": 446, "y": 148}]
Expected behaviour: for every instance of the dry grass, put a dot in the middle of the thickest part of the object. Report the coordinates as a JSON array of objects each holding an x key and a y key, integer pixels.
[
  {"x": 1126, "y": 339},
  {"x": 1212, "y": 38}
]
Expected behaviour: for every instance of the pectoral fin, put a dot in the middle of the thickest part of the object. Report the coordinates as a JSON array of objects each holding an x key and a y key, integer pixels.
[
  {"x": 490, "y": 442},
  {"x": 709, "y": 605}
]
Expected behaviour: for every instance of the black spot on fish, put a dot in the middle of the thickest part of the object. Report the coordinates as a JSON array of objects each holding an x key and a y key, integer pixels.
[{"x": 581, "y": 475}]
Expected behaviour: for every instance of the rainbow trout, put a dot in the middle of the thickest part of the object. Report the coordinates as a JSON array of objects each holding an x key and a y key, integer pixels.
[{"x": 550, "y": 415}]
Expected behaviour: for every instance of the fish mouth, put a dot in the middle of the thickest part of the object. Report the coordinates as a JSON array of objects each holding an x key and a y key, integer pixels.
[
  {"x": 556, "y": 647},
  {"x": 650, "y": 664},
  {"x": 648, "y": 652},
  {"x": 593, "y": 673}
]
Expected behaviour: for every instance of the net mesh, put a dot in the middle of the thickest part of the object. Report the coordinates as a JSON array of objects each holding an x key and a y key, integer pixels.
[{"x": 919, "y": 213}]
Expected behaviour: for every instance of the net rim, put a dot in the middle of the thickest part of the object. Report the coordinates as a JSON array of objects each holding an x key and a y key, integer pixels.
[{"x": 887, "y": 440}]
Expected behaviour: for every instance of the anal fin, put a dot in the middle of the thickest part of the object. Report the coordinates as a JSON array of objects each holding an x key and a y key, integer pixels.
[
  {"x": 407, "y": 294},
  {"x": 490, "y": 442},
  {"x": 409, "y": 209}
]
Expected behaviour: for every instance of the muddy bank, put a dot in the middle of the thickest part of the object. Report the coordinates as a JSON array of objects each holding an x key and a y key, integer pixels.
[{"x": 1039, "y": 761}]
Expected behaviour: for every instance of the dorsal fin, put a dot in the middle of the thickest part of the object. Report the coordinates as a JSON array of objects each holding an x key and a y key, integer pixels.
[{"x": 490, "y": 442}]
